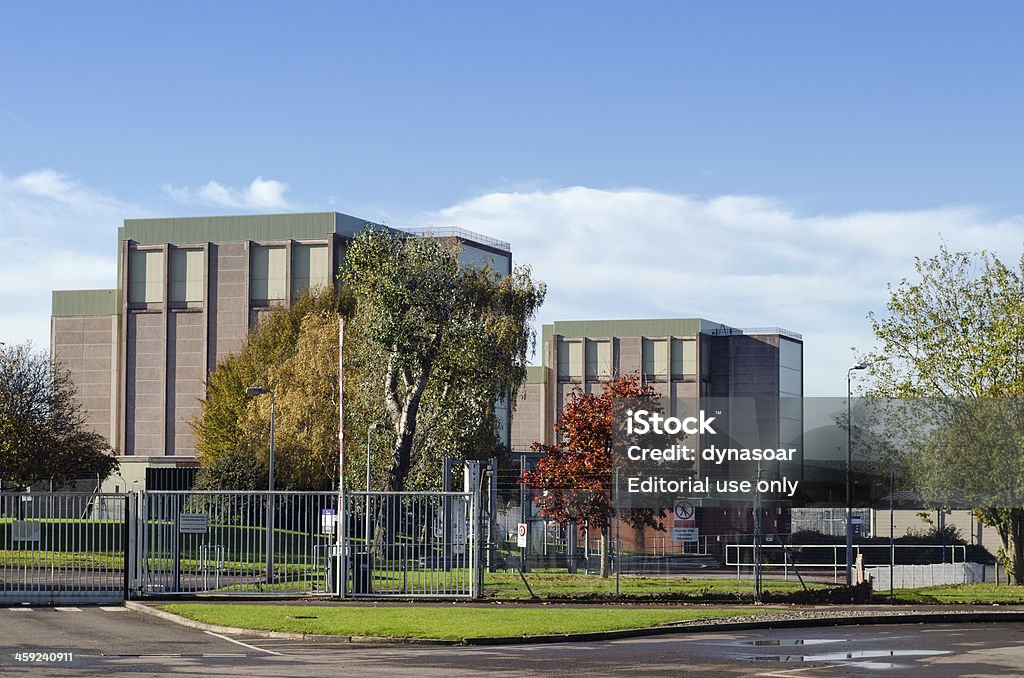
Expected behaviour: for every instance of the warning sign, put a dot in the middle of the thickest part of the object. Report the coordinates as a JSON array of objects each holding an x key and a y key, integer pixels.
[
  {"x": 521, "y": 535},
  {"x": 684, "y": 521}
]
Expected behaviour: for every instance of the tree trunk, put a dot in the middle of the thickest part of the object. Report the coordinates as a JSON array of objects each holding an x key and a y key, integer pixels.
[
  {"x": 1009, "y": 523},
  {"x": 1015, "y": 548},
  {"x": 605, "y": 554}
]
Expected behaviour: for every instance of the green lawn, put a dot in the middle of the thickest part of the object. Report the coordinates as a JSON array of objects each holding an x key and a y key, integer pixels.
[
  {"x": 960, "y": 593},
  {"x": 447, "y": 623},
  {"x": 509, "y": 586}
]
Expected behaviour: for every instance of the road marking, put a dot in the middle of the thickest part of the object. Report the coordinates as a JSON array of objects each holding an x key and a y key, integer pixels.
[
  {"x": 68, "y": 609},
  {"x": 113, "y": 609},
  {"x": 20, "y": 609},
  {"x": 223, "y": 654},
  {"x": 789, "y": 672},
  {"x": 251, "y": 647}
]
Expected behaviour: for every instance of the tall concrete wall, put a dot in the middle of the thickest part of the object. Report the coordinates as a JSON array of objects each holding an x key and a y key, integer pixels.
[
  {"x": 228, "y": 299},
  {"x": 528, "y": 417},
  {"x": 86, "y": 346},
  {"x": 185, "y": 380},
  {"x": 145, "y": 371}
]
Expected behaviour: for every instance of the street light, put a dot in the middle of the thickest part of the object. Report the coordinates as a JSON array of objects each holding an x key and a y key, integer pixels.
[
  {"x": 862, "y": 365},
  {"x": 255, "y": 391}
]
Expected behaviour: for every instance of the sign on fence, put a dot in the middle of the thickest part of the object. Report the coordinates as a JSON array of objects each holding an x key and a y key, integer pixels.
[
  {"x": 328, "y": 521},
  {"x": 192, "y": 523},
  {"x": 521, "y": 535},
  {"x": 684, "y": 522},
  {"x": 27, "y": 530}
]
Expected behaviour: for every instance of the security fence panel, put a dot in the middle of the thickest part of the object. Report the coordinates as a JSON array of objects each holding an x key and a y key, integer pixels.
[
  {"x": 236, "y": 542},
  {"x": 63, "y": 547},
  {"x": 412, "y": 544}
]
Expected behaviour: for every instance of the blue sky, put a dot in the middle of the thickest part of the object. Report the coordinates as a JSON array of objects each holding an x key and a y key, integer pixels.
[{"x": 756, "y": 163}]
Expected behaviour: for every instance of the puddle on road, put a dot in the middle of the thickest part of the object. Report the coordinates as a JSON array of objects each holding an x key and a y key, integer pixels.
[
  {"x": 796, "y": 658},
  {"x": 793, "y": 643},
  {"x": 852, "y": 657}
]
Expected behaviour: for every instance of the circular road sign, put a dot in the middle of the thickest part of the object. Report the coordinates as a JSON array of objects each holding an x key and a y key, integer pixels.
[{"x": 684, "y": 510}]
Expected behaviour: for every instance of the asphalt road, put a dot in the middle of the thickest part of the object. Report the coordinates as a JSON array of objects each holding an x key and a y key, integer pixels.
[{"x": 113, "y": 640}]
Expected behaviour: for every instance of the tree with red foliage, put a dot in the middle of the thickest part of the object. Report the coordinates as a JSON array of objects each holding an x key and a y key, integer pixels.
[{"x": 575, "y": 475}]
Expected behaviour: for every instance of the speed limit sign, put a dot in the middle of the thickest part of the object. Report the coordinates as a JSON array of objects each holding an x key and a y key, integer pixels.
[{"x": 521, "y": 535}]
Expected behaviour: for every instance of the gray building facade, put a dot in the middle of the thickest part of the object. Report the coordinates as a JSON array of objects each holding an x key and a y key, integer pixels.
[
  {"x": 188, "y": 292},
  {"x": 681, "y": 358}
]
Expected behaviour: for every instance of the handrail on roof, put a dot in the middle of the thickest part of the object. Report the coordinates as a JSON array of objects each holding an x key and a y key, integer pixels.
[
  {"x": 729, "y": 331},
  {"x": 461, "y": 233}
]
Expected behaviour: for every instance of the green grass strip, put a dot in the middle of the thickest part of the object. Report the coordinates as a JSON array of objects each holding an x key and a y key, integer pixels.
[
  {"x": 967, "y": 594},
  {"x": 508, "y": 586},
  {"x": 446, "y": 623}
]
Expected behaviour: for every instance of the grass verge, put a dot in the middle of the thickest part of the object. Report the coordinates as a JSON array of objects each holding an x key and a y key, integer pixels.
[
  {"x": 508, "y": 586},
  {"x": 445, "y": 623},
  {"x": 968, "y": 594}
]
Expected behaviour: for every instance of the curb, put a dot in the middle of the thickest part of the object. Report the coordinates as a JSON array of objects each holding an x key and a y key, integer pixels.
[
  {"x": 281, "y": 635},
  {"x": 966, "y": 617}
]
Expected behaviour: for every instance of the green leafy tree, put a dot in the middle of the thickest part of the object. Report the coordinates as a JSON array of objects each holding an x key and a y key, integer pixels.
[
  {"x": 290, "y": 353},
  {"x": 440, "y": 344},
  {"x": 425, "y": 338},
  {"x": 43, "y": 433},
  {"x": 954, "y": 348}
]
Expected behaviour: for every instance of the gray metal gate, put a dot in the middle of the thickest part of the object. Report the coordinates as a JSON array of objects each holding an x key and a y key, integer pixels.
[
  {"x": 63, "y": 547},
  {"x": 99, "y": 548},
  {"x": 411, "y": 545},
  {"x": 237, "y": 542}
]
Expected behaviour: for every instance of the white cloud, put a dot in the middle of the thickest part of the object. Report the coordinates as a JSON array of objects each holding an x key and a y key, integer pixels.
[
  {"x": 55, "y": 233},
  {"x": 261, "y": 194},
  {"x": 746, "y": 261}
]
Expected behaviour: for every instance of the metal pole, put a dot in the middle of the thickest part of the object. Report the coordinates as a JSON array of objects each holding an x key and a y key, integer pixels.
[
  {"x": 341, "y": 517},
  {"x": 849, "y": 480},
  {"x": 270, "y": 500},
  {"x": 892, "y": 534}
]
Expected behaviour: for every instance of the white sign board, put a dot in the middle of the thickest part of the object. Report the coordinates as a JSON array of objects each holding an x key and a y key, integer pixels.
[
  {"x": 521, "y": 535},
  {"x": 685, "y": 534},
  {"x": 460, "y": 526},
  {"x": 26, "y": 530},
  {"x": 192, "y": 523},
  {"x": 684, "y": 521},
  {"x": 328, "y": 521}
]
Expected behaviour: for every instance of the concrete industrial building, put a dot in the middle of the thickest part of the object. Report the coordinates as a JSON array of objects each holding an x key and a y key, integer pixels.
[
  {"x": 188, "y": 292},
  {"x": 682, "y": 359}
]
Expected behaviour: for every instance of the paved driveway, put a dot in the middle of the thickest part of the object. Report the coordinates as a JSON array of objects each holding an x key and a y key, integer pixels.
[{"x": 113, "y": 640}]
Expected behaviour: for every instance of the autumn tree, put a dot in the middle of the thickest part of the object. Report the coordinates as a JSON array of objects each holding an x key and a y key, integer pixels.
[
  {"x": 575, "y": 475},
  {"x": 431, "y": 349},
  {"x": 293, "y": 351},
  {"x": 954, "y": 347},
  {"x": 442, "y": 345},
  {"x": 43, "y": 432}
]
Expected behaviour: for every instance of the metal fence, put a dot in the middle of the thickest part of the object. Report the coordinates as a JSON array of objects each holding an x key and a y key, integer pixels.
[
  {"x": 830, "y": 521},
  {"x": 88, "y": 547},
  {"x": 412, "y": 544},
  {"x": 830, "y": 559},
  {"x": 236, "y": 542},
  {"x": 64, "y": 547}
]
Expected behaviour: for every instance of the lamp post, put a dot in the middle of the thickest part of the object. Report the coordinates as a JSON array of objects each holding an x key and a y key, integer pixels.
[
  {"x": 255, "y": 391},
  {"x": 862, "y": 365},
  {"x": 366, "y": 508}
]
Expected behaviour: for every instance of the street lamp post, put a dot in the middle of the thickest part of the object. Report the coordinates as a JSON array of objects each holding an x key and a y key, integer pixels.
[
  {"x": 862, "y": 365},
  {"x": 849, "y": 471},
  {"x": 255, "y": 391}
]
